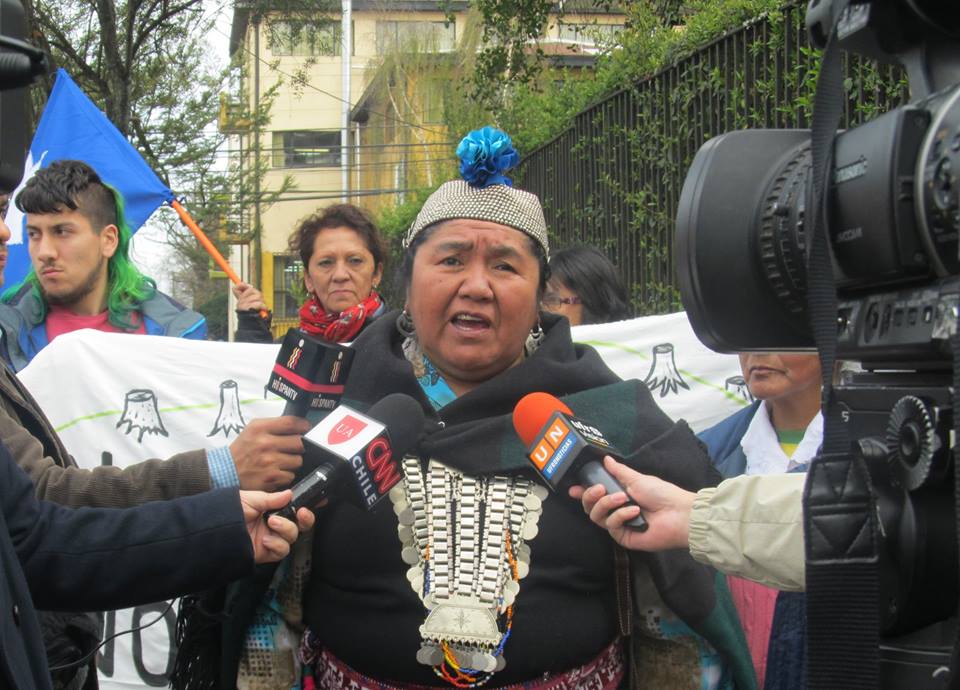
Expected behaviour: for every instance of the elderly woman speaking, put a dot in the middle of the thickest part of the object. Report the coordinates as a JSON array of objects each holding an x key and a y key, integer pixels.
[{"x": 477, "y": 576}]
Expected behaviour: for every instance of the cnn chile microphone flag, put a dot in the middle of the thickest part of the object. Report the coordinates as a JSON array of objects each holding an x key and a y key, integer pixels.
[{"x": 71, "y": 126}]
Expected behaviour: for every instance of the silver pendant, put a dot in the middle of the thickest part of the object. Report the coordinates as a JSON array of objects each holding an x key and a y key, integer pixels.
[{"x": 462, "y": 620}]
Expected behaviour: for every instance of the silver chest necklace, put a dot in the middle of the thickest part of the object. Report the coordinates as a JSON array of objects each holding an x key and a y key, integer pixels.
[{"x": 464, "y": 540}]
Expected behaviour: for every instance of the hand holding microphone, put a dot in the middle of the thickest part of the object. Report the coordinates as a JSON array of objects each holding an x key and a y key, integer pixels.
[
  {"x": 358, "y": 455},
  {"x": 565, "y": 450},
  {"x": 666, "y": 507}
]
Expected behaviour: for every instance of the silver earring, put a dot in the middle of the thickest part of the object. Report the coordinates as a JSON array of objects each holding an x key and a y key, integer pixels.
[
  {"x": 405, "y": 325},
  {"x": 534, "y": 340}
]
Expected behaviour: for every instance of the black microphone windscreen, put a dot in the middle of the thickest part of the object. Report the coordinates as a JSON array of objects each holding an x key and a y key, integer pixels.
[{"x": 404, "y": 419}]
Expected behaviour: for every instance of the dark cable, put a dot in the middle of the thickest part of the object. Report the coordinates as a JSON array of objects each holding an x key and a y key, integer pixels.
[{"x": 89, "y": 655}]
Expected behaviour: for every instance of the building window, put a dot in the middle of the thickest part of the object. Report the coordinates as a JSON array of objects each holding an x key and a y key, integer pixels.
[
  {"x": 408, "y": 36},
  {"x": 306, "y": 149},
  {"x": 286, "y": 38},
  {"x": 287, "y": 285}
]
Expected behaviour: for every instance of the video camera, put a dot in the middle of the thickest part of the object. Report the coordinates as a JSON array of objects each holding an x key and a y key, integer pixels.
[
  {"x": 20, "y": 64},
  {"x": 892, "y": 220}
]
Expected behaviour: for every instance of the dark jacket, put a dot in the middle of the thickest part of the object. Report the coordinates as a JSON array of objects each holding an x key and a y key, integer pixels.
[
  {"x": 25, "y": 332},
  {"x": 723, "y": 441},
  {"x": 58, "y": 558},
  {"x": 253, "y": 328}
]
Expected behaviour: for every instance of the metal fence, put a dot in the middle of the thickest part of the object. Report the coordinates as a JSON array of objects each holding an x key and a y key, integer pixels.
[{"x": 613, "y": 179}]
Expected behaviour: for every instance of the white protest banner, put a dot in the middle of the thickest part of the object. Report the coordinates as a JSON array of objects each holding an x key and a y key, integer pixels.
[{"x": 121, "y": 399}]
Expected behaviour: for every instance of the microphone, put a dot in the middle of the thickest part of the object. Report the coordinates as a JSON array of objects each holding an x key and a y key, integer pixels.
[
  {"x": 362, "y": 451},
  {"x": 562, "y": 447},
  {"x": 309, "y": 373}
]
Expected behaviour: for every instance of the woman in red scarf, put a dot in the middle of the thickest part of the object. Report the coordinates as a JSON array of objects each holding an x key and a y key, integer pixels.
[{"x": 343, "y": 263}]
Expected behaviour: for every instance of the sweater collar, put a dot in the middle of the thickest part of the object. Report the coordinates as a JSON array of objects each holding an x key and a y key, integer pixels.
[{"x": 762, "y": 448}]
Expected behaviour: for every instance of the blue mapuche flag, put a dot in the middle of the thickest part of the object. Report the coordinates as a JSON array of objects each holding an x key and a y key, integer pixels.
[{"x": 73, "y": 127}]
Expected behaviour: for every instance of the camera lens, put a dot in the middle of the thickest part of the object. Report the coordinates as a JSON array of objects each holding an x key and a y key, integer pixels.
[{"x": 740, "y": 245}]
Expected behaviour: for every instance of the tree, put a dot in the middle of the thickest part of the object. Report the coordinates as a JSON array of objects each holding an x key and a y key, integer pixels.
[{"x": 147, "y": 64}]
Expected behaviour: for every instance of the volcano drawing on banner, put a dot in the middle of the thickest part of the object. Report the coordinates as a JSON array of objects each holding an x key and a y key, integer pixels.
[
  {"x": 737, "y": 385},
  {"x": 229, "y": 418},
  {"x": 664, "y": 375},
  {"x": 140, "y": 413}
]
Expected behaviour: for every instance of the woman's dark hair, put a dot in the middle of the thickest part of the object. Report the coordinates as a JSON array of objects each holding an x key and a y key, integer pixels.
[
  {"x": 336, "y": 216},
  {"x": 406, "y": 266},
  {"x": 590, "y": 275}
]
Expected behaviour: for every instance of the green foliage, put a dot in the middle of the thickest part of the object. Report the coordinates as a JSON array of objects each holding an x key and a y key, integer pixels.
[
  {"x": 214, "y": 310},
  {"x": 611, "y": 174},
  {"x": 535, "y": 111},
  {"x": 510, "y": 27},
  {"x": 148, "y": 66},
  {"x": 393, "y": 223}
]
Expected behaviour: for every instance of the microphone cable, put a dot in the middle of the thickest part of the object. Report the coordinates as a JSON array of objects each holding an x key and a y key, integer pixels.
[{"x": 89, "y": 655}]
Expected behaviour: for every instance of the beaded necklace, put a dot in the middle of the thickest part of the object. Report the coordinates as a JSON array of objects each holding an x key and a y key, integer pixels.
[{"x": 464, "y": 540}]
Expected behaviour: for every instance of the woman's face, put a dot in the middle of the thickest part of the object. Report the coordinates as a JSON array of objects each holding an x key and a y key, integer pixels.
[
  {"x": 473, "y": 299},
  {"x": 776, "y": 376},
  {"x": 561, "y": 300},
  {"x": 342, "y": 271}
]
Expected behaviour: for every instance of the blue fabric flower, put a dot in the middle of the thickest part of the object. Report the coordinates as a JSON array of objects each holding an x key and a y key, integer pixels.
[{"x": 485, "y": 154}]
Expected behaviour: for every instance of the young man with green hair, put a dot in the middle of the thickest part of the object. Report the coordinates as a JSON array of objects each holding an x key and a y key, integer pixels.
[{"x": 82, "y": 275}]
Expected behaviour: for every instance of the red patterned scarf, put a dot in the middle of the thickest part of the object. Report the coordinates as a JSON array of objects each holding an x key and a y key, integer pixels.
[{"x": 337, "y": 327}]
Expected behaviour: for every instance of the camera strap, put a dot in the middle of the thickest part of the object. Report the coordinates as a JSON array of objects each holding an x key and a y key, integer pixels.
[{"x": 842, "y": 576}]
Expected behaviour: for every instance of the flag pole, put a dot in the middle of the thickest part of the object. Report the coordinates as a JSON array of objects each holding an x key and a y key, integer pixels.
[{"x": 205, "y": 242}]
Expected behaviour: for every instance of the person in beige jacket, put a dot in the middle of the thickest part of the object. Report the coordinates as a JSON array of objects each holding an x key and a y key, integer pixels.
[{"x": 750, "y": 526}]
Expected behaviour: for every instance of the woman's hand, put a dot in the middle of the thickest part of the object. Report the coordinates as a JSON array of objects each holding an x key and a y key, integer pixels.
[
  {"x": 272, "y": 537},
  {"x": 665, "y": 506},
  {"x": 248, "y": 297}
]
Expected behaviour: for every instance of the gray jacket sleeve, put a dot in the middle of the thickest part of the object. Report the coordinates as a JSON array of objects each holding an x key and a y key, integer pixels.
[{"x": 752, "y": 526}]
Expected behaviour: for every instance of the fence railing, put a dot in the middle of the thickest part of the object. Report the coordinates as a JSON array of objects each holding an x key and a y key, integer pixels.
[{"x": 613, "y": 179}]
